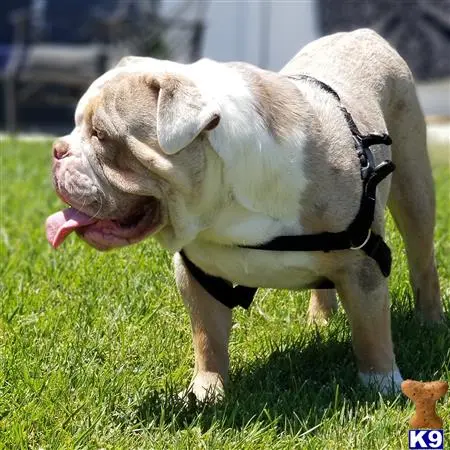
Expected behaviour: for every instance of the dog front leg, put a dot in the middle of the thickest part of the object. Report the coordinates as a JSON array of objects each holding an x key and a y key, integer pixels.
[
  {"x": 211, "y": 324},
  {"x": 364, "y": 294}
]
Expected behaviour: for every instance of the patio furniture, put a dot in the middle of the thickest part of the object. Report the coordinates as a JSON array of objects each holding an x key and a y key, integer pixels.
[{"x": 56, "y": 55}]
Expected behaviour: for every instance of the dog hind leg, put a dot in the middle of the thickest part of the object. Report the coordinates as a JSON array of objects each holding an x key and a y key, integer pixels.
[
  {"x": 322, "y": 305},
  {"x": 363, "y": 292},
  {"x": 412, "y": 204}
]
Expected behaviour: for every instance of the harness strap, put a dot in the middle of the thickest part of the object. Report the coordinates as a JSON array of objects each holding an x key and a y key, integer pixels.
[
  {"x": 220, "y": 289},
  {"x": 357, "y": 236}
]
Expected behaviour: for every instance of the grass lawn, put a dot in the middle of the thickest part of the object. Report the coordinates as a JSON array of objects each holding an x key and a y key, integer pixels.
[{"x": 95, "y": 346}]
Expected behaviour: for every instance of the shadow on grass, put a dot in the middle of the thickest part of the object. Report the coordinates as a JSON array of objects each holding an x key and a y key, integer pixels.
[{"x": 299, "y": 385}]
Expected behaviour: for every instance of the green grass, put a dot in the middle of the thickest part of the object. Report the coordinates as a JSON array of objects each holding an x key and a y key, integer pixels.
[{"x": 94, "y": 347}]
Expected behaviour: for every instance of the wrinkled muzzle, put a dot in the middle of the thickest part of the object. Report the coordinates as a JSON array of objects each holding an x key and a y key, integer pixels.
[{"x": 101, "y": 215}]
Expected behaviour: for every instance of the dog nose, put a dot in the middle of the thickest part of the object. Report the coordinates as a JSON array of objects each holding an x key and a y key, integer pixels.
[{"x": 60, "y": 149}]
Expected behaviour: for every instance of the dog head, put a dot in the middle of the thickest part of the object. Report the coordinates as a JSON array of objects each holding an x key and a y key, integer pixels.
[{"x": 136, "y": 156}]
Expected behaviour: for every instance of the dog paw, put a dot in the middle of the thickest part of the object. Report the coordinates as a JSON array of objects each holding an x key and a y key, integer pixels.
[
  {"x": 319, "y": 318},
  {"x": 386, "y": 383},
  {"x": 322, "y": 306},
  {"x": 206, "y": 387}
]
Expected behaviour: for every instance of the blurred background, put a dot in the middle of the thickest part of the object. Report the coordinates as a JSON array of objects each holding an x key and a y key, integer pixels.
[{"x": 51, "y": 50}]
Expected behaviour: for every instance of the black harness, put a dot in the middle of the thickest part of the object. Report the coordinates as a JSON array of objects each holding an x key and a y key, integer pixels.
[{"x": 358, "y": 234}]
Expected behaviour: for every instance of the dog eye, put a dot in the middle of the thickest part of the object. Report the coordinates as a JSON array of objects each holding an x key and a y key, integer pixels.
[{"x": 99, "y": 134}]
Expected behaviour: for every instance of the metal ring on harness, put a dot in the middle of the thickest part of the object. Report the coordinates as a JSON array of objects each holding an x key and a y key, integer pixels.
[{"x": 364, "y": 243}]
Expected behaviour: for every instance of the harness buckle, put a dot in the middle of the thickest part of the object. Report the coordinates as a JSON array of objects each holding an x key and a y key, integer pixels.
[
  {"x": 378, "y": 174},
  {"x": 364, "y": 243}
]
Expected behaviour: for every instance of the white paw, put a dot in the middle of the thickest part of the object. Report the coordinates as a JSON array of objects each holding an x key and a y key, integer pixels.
[
  {"x": 385, "y": 383},
  {"x": 205, "y": 387}
]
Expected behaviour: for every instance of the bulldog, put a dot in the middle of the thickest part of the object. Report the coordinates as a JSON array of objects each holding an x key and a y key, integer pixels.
[{"x": 215, "y": 159}]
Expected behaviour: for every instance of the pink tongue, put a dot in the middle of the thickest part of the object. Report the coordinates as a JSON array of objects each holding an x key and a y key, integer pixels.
[{"x": 59, "y": 225}]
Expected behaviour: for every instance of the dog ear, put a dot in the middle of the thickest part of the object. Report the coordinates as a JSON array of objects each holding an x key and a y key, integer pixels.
[{"x": 182, "y": 112}]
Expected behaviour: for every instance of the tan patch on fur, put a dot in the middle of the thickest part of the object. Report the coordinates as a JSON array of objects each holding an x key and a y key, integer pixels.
[
  {"x": 89, "y": 112},
  {"x": 130, "y": 106},
  {"x": 278, "y": 102}
]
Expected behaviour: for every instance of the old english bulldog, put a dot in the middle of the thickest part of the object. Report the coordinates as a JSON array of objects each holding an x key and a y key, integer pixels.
[{"x": 211, "y": 157}]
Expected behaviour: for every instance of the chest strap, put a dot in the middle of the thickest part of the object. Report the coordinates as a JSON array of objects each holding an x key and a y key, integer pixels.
[
  {"x": 222, "y": 290},
  {"x": 357, "y": 236}
]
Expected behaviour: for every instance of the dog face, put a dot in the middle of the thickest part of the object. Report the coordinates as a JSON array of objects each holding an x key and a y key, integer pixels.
[{"x": 137, "y": 150}]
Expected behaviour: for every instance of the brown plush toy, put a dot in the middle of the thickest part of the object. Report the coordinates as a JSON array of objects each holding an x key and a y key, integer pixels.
[{"x": 425, "y": 395}]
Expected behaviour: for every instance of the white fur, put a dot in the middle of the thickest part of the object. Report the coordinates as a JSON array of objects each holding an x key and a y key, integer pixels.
[
  {"x": 264, "y": 176},
  {"x": 282, "y": 270},
  {"x": 386, "y": 383}
]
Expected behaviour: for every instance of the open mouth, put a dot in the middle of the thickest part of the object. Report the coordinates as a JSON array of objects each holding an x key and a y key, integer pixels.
[{"x": 104, "y": 234}]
